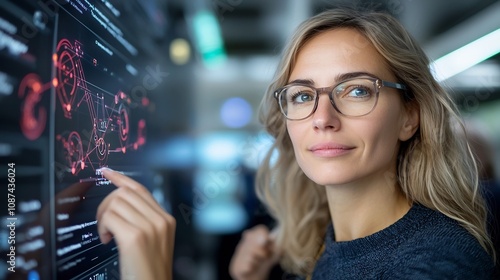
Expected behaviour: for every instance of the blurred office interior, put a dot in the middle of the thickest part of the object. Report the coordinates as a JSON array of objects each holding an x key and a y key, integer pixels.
[{"x": 213, "y": 60}]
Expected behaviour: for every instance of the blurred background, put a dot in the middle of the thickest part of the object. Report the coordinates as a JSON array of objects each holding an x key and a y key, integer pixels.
[{"x": 212, "y": 60}]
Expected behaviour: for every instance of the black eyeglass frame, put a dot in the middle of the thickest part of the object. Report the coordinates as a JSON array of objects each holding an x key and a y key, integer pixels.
[{"x": 379, "y": 83}]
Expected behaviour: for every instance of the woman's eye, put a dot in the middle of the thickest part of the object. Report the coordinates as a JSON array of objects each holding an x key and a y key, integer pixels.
[
  {"x": 302, "y": 97},
  {"x": 358, "y": 92}
]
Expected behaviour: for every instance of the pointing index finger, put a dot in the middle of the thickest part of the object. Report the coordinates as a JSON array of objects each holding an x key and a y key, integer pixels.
[{"x": 120, "y": 180}]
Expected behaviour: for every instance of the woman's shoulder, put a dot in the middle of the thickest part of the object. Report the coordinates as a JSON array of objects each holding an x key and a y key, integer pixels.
[
  {"x": 441, "y": 247},
  {"x": 439, "y": 234},
  {"x": 435, "y": 229}
]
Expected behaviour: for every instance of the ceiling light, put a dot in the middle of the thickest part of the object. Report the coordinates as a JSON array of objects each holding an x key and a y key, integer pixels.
[{"x": 467, "y": 56}]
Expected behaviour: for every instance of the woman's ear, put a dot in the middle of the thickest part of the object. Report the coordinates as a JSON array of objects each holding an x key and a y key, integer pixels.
[{"x": 411, "y": 122}]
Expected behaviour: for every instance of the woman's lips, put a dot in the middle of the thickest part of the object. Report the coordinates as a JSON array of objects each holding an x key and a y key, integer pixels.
[{"x": 330, "y": 149}]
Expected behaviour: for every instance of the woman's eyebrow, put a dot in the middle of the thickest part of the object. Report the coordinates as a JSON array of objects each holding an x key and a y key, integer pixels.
[
  {"x": 308, "y": 82},
  {"x": 338, "y": 78},
  {"x": 350, "y": 75}
]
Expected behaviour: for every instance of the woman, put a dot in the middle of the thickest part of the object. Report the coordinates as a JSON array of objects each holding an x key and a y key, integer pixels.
[{"x": 371, "y": 180}]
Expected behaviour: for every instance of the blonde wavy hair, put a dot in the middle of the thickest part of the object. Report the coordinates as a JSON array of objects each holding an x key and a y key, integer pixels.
[{"x": 435, "y": 167}]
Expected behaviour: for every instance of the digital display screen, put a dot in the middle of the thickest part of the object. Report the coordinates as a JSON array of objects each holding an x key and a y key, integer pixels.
[{"x": 72, "y": 84}]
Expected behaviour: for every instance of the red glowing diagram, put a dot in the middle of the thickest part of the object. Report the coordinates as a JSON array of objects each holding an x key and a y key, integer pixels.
[
  {"x": 33, "y": 115},
  {"x": 109, "y": 118}
]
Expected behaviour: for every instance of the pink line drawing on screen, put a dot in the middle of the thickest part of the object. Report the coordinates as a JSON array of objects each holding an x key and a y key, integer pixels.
[{"x": 72, "y": 91}]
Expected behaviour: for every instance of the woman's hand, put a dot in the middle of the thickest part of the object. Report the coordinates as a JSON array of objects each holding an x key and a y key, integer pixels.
[
  {"x": 143, "y": 231},
  {"x": 255, "y": 255}
]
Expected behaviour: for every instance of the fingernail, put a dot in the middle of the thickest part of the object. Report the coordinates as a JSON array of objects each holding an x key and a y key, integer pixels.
[{"x": 101, "y": 170}]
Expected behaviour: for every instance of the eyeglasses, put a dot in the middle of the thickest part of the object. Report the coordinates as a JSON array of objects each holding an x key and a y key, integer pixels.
[{"x": 352, "y": 97}]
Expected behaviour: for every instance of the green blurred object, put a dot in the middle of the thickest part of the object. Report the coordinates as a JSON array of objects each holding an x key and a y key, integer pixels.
[{"x": 208, "y": 38}]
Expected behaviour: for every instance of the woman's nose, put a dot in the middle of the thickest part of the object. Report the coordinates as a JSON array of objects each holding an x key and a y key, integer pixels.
[{"x": 325, "y": 116}]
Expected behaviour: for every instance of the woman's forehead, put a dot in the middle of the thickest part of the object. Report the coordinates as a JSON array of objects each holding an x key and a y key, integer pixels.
[{"x": 332, "y": 53}]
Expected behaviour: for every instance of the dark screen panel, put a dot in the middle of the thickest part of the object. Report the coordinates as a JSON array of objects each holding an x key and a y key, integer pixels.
[{"x": 73, "y": 84}]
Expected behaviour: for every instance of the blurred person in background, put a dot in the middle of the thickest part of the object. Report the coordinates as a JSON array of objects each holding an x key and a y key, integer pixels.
[{"x": 371, "y": 180}]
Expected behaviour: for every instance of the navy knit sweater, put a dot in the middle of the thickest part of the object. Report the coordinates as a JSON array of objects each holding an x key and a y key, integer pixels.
[{"x": 424, "y": 244}]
